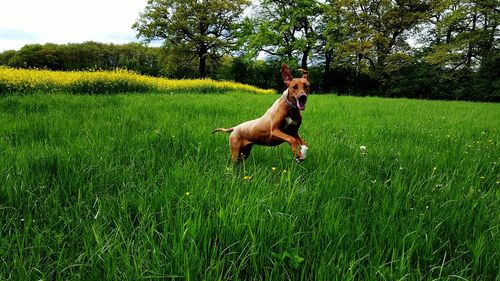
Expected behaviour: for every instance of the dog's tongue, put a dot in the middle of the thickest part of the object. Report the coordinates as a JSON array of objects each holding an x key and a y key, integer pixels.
[{"x": 300, "y": 106}]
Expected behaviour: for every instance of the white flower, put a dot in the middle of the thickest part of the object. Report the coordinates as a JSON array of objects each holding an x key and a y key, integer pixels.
[{"x": 362, "y": 149}]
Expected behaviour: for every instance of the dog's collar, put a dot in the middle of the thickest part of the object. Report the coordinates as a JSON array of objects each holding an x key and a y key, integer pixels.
[{"x": 289, "y": 103}]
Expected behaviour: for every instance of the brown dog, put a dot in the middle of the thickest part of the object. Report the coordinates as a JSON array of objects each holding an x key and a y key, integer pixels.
[{"x": 280, "y": 123}]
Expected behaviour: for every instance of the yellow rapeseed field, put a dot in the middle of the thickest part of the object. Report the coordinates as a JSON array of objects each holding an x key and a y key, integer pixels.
[{"x": 20, "y": 81}]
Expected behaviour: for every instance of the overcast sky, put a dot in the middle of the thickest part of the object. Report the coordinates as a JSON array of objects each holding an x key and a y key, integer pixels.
[{"x": 67, "y": 21}]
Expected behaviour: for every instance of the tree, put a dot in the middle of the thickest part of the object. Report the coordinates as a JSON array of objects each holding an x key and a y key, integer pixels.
[
  {"x": 285, "y": 29},
  {"x": 6, "y": 56},
  {"x": 84, "y": 56},
  {"x": 462, "y": 33},
  {"x": 333, "y": 33},
  {"x": 380, "y": 28},
  {"x": 194, "y": 29}
]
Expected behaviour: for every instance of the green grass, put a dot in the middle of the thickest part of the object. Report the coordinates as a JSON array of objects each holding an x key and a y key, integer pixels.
[{"x": 134, "y": 187}]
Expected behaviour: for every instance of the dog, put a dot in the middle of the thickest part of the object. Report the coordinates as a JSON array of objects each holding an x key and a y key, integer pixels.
[{"x": 279, "y": 124}]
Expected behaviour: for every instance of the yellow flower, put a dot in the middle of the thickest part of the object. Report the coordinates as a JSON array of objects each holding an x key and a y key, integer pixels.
[
  {"x": 188, "y": 193},
  {"x": 284, "y": 171},
  {"x": 247, "y": 178},
  {"x": 273, "y": 168},
  {"x": 30, "y": 80}
]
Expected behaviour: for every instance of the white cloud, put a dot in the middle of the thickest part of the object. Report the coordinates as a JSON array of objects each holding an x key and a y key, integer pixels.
[{"x": 67, "y": 21}]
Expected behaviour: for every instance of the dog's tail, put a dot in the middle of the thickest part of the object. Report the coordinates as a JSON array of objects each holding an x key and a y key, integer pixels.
[{"x": 223, "y": 130}]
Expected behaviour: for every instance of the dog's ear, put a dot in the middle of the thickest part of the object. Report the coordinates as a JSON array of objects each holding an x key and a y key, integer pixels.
[
  {"x": 287, "y": 75},
  {"x": 305, "y": 73}
]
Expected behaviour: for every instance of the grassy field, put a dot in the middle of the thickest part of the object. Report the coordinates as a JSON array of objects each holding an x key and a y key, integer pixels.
[{"x": 134, "y": 187}]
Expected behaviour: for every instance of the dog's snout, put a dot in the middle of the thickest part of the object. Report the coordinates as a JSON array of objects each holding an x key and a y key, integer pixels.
[{"x": 302, "y": 98}]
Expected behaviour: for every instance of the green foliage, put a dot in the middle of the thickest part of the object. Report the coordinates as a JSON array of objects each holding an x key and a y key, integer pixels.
[
  {"x": 85, "y": 56},
  {"x": 134, "y": 187},
  {"x": 265, "y": 74},
  {"x": 378, "y": 31},
  {"x": 192, "y": 29},
  {"x": 462, "y": 34},
  {"x": 284, "y": 29},
  {"x": 423, "y": 80}
]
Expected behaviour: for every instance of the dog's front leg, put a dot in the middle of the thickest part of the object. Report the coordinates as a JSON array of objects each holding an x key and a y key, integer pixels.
[
  {"x": 303, "y": 146},
  {"x": 291, "y": 140}
]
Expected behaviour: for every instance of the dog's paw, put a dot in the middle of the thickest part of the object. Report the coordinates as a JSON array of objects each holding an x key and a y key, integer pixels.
[{"x": 303, "y": 151}]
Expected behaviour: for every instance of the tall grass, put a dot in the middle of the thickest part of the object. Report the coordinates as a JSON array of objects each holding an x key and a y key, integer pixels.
[
  {"x": 134, "y": 187},
  {"x": 22, "y": 81}
]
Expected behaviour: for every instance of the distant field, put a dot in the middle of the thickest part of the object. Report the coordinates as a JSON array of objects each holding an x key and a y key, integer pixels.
[
  {"x": 29, "y": 81},
  {"x": 134, "y": 187}
]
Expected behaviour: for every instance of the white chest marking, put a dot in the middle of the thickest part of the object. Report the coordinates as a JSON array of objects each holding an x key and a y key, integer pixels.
[{"x": 290, "y": 122}]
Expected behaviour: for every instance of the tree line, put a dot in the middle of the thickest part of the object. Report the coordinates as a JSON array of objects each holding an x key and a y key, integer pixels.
[
  {"x": 85, "y": 56},
  {"x": 434, "y": 49}
]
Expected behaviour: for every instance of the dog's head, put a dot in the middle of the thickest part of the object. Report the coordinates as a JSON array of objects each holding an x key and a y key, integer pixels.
[{"x": 298, "y": 88}]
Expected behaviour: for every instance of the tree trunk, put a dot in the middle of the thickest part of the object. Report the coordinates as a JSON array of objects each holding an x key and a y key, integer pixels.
[
  {"x": 203, "y": 66},
  {"x": 468, "y": 61},
  {"x": 202, "y": 56},
  {"x": 448, "y": 34},
  {"x": 305, "y": 55},
  {"x": 326, "y": 74},
  {"x": 358, "y": 60}
]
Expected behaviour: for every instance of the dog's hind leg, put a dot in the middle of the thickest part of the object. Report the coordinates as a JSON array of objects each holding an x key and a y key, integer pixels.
[
  {"x": 246, "y": 149},
  {"x": 235, "y": 146}
]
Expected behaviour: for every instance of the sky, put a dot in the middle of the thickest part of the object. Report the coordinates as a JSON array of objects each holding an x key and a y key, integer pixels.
[{"x": 67, "y": 21}]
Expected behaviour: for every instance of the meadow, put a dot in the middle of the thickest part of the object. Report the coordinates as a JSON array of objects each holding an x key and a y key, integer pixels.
[{"x": 134, "y": 187}]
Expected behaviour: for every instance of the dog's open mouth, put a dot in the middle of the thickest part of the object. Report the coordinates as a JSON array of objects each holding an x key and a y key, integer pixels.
[{"x": 301, "y": 102}]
